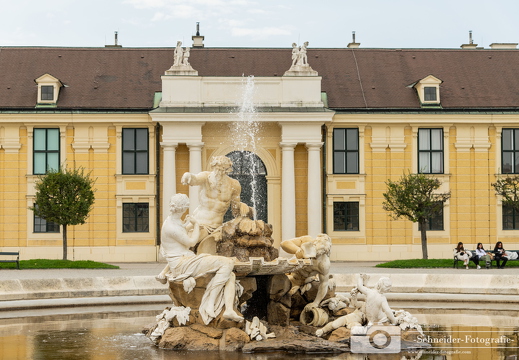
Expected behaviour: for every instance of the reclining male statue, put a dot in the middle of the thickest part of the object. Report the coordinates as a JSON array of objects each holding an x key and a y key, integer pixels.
[{"x": 185, "y": 265}]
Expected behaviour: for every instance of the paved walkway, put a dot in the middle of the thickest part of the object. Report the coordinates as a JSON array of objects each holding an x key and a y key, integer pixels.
[{"x": 153, "y": 268}]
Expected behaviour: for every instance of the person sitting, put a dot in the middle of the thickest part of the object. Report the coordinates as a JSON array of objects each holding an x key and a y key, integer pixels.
[
  {"x": 483, "y": 255},
  {"x": 500, "y": 255},
  {"x": 464, "y": 255}
]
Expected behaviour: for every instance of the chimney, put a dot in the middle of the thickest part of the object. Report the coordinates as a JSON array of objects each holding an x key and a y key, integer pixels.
[
  {"x": 353, "y": 44},
  {"x": 509, "y": 46},
  {"x": 471, "y": 44},
  {"x": 198, "y": 40},
  {"x": 115, "y": 45}
]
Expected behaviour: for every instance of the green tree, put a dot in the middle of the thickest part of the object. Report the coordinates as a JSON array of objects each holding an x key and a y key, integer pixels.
[
  {"x": 64, "y": 197},
  {"x": 508, "y": 189},
  {"x": 413, "y": 197}
]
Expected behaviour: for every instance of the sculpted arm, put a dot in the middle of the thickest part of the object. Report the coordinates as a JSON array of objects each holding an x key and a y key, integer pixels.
[
  {"x": 194, "y": 179},
  {"x": 360, "y": 283},
  {"x": 389, "y": 313},
  {"x": 293, "y": 246}
]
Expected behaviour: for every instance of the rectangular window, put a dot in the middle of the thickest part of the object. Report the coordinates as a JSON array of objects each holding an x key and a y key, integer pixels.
[
  {"x": 510, "y": 218},
  {"x": 510, "y": 151},
  {"x": 45, "y": 150},
  {"x": 346, "y": 216},
  {"x": 434, "y": 222},
  {"x": 47, "y": 92},
  {"x": 430, "y": 93},
  {"x": 430, "y": 151},
  {"x": 136, "y": 217},
  {"x": 135, "y": 151},
  {"x": 345, "y": 151},
  {"x": 43, "y": 226}
]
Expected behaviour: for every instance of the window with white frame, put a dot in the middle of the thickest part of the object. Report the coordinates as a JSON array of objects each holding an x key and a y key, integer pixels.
[
  {"x": 430, "y": 151},
  {"x": 43, "y": 226},
  {"x": 46, "y": 148},
  {"x": 136, "y": 217},
  {"x": 345, "y": 151},
  {"x": 346, "y": 216},
  {"x": 510, "y": 151},
  {"x": 135, "y": 151}
]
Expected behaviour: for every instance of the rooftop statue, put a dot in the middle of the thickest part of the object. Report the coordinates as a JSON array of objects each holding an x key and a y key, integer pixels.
[
  {"x": 184, "y": 265},
  {"x": 300, "y": 66},
  {"x": 217, "y": 192},
  {"x": 181, "y": 65}
]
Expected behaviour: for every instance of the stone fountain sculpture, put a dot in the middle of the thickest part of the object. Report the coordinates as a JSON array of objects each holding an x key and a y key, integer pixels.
[{"x": 231, "y": 291}]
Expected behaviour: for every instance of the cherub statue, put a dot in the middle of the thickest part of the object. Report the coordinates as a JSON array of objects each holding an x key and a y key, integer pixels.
[{"x": 377, "y": 308}]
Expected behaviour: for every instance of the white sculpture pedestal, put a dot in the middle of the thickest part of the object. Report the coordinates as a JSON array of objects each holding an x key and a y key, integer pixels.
[
  {"x": 181, "y": 70},
  {"x": 300, "y": 70}
]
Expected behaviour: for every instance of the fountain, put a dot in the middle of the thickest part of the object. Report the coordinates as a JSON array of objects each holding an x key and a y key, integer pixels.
[{"x": 232, "y": 292}]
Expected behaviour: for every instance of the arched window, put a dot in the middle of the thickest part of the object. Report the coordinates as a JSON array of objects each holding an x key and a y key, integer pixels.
[{"x": 250, "y": 171}]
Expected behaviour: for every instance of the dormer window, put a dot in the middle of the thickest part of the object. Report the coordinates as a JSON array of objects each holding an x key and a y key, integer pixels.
[
  {"x": 48, "y": 90},
  {"x": 430, "y": 93},
  {"x": 428, "y": 90}
]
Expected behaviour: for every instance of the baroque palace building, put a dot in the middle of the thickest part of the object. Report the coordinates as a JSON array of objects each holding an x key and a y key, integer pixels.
[{"x": 328, "y": 139}]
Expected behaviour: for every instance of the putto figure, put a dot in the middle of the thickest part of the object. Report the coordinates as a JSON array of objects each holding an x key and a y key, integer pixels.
[{"x": 184, "y": 265}]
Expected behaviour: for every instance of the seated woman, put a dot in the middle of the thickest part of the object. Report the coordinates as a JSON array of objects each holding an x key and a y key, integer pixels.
[
  {"x": 483, "y": 255},
  {"x": 499, "y": 255},
  {"x": 461, "y": 254}
]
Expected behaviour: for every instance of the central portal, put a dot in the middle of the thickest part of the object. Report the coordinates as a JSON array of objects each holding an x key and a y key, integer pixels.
[{"x": 251, "y": 173}]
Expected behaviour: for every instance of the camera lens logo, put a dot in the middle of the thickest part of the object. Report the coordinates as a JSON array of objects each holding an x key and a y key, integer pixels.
[{"x": 375, "y": 340}]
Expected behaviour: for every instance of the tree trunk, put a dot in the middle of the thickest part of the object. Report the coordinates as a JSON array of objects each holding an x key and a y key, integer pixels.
[
  {"x": 64, "y": 242},
  {"x": 423, "y": 233}
]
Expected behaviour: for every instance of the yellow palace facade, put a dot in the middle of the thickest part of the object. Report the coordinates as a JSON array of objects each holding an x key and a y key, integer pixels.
[{"x": 326, "y": 142}]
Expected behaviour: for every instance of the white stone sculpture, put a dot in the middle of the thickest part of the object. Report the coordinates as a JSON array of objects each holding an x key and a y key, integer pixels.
[
  {"x": 185, "y": 58},
  {"x": 407, "y": 321},
  {"x": 377, "y": 310},
  {"x": 300, "y": 66},
  {"x": 356, "y": 318},
  {"x": 181, "y": 65},
  {"x": 317, "y": 249},
  {"x": 164, "y": 320},
  {"x": 257, "y": 331},
  {"x": 184, "y": 265},
  {"x": 217, "y": 192}
]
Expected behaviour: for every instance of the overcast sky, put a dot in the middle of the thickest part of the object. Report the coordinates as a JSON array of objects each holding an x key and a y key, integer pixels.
[{"x": 259, "y": 23}]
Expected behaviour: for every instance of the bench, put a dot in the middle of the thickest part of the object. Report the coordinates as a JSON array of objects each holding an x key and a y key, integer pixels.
[
  {"x": 11, "y": 253},
  {"x": 493, "y": 260}
]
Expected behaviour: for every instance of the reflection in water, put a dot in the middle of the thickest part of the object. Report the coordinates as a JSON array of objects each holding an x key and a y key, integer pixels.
[{"x": 107, "y": 334}]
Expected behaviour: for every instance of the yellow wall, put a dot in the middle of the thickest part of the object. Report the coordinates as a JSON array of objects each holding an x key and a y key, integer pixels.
[{"x": 388, "y": 145}]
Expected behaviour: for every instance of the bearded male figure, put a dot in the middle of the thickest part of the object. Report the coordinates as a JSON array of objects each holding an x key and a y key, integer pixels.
[{"x": 217, "y": 192}]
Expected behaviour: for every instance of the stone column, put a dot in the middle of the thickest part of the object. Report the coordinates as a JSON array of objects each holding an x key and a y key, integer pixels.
[
  {"x": 169, "y": 176},
  {"x": 195, "y": 166},
  {"x": 288, "y": 192},
  {"x": 314, "y": 189}
]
